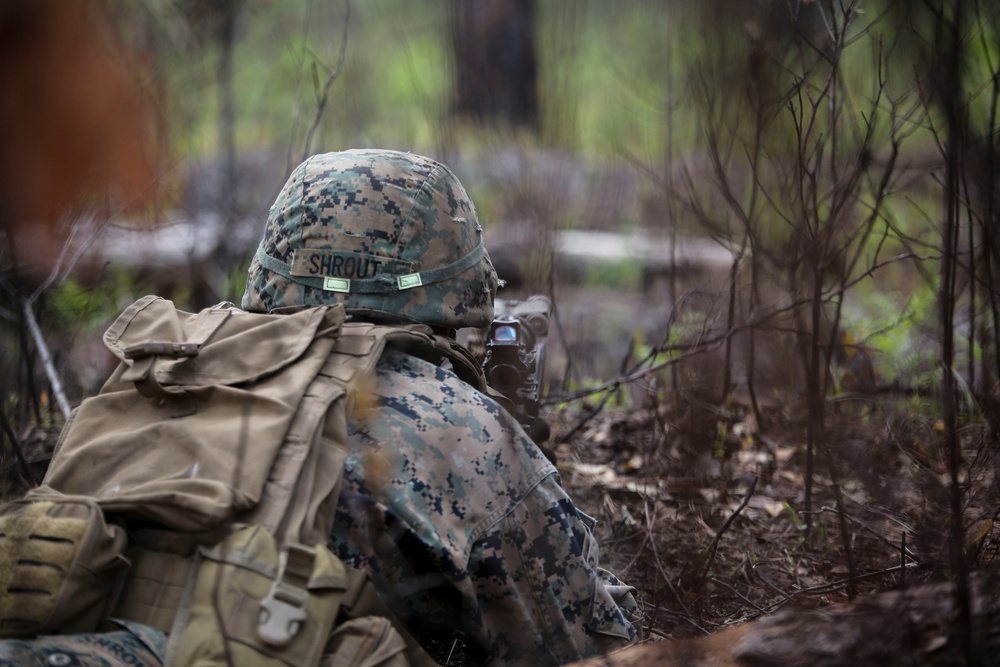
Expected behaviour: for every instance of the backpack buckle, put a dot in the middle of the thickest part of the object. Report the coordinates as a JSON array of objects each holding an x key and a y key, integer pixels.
[
  {"x": 283, "y": 611},
  {"x": 144, "y": 357}
]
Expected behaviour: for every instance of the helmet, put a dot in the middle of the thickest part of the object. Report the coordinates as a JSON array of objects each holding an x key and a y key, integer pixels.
[{"x": 392, "y": 236}]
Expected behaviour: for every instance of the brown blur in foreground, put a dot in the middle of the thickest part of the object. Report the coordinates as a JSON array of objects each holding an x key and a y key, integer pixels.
[{"x": 75, "y": 129}]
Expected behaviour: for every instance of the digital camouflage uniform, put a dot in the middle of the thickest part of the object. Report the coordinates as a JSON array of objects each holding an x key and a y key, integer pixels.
[
  {"x": 463, "y": 524},
  {"x": 446, "y": 501},
  {"x": 133, "y": 645}
]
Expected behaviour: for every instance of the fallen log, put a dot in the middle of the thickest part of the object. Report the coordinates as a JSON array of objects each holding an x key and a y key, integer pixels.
[{"x": 916, "y": 627}]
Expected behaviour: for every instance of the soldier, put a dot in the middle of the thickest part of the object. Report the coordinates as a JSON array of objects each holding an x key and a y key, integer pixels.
[
  {"x": 453, "y": 509},
  {"x": 448, "y": 504}
]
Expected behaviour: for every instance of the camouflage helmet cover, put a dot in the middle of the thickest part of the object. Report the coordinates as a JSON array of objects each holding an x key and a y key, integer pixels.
[{"x": 392, "y": 236}]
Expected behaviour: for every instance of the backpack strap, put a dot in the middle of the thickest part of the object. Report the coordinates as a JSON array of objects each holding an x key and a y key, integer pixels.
[
  {"x": 299, "y": 500},
  {"x": 420, "y": 341},
  {"x": 145, "y": 354}
]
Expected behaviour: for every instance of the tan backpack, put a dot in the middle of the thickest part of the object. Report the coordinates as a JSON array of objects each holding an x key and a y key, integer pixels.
[{"x": 196, "y": 492}]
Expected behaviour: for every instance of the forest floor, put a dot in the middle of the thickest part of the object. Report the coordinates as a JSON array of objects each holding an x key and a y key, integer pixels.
[{"x": 704, "y": 511}]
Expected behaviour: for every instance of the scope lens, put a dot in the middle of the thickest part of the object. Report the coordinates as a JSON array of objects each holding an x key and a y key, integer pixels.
[{"x": 505, "y": 334}]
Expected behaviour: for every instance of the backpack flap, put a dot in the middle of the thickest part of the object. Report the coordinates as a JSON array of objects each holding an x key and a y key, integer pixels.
[
  {"x": 234, "y": 346},
  {"x": 186, "y": 430}
]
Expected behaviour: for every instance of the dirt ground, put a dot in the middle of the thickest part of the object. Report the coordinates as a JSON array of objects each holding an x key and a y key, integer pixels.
[{"x": 704, "y": 512}]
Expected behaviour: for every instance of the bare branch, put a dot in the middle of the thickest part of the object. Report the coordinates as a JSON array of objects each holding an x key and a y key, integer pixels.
[{"x": 324, "y": 97}]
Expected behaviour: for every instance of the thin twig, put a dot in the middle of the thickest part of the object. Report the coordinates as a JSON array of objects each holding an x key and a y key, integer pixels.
[
  {"x": 22, "y": 462},
  {"x": 321, "y": 106},
  {"x": 710, "y": 552},
  {"x": 453, "y": 645},
  {"x": 659, "y": 565},
  {"x": 70, "y": 253},
  {"x": 706, "y": 344},
  {"x": 842, "y": 583},
  {"x": 739, "y": 595},
  {"x": 585, "y": 419},
  {"x": 688, "y": 618},
  {"x": 43, "y": 352},
  {"x": 902, "y": 561}
]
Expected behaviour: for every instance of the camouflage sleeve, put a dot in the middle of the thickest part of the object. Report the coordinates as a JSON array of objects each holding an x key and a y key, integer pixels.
[
  {"x": 539, "y": 599},
  {"x": 463, "y": 524},
  {"x": 131, "y": 645}
]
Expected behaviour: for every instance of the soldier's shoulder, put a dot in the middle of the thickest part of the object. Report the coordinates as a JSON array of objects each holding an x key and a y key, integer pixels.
[
  {"x": 426, "y": 397},
  {"x": 403, "y": 371}
]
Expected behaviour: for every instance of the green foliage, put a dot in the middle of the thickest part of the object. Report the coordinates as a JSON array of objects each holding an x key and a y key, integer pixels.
[
  {"x": 902, "y": 339},
  {"x": 76, "y": 307},
  {"x": 611, "y": 398},
  {"x": 392, "y": 90},
  {"x": 604, "y": 73},
  {"x": 622, "y": 274},
  {"x": 688, "y": 327},
  {"x": 793, "y": 515},
  {"x": 235, "y": 283}
]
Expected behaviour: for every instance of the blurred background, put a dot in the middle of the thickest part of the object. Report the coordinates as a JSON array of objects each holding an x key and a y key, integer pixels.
[
  {"x": 774, "y": 163},
  {"x": 148, "y": 141},
  {"x": 767, "y": 226}
]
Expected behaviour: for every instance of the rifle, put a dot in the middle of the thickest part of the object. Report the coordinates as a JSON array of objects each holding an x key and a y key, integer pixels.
[{"x": 514, "y": 360}]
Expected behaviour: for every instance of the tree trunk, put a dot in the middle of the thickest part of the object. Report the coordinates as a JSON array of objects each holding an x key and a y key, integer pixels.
[
  {"x": 497, "y": 74},
  {"x": 917, "y": 627}
]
